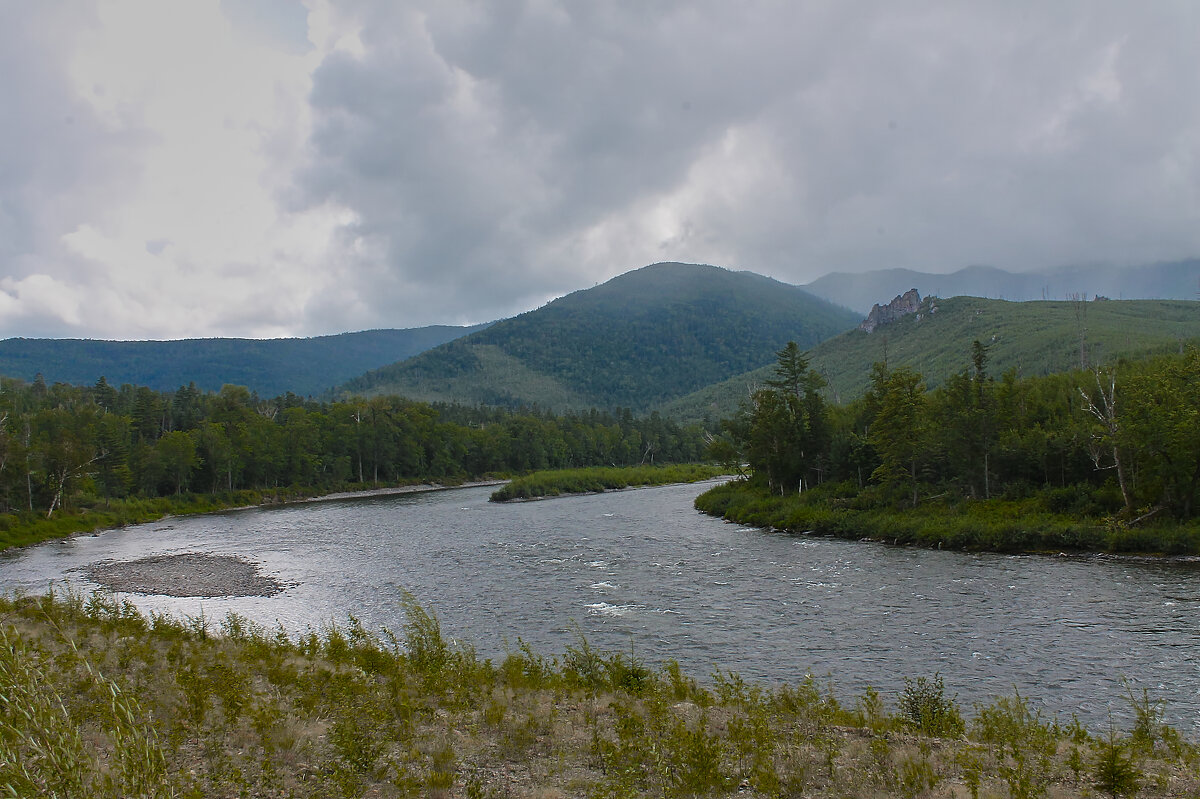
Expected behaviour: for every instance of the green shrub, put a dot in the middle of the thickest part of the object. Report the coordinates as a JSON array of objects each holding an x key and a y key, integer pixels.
[
  {"x": 1117, "y": 774},
  {"x": 924, "y": 706}
]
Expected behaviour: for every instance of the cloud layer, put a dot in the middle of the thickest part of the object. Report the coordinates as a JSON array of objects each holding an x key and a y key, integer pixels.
[{"x": 264, "y": 168}]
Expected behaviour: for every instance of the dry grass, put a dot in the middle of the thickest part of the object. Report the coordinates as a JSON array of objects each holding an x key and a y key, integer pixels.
[{"x": 102, "y": 701}]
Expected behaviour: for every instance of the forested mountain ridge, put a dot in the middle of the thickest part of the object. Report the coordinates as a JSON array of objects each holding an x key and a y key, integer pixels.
[
  {"x": 1035, "y": 338},
  {"x": 303, "y": 366},
  {"x": 640, "y": 339}
]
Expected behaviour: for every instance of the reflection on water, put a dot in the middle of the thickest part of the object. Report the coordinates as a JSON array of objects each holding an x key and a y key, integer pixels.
[{"x": 643, "y": 569}]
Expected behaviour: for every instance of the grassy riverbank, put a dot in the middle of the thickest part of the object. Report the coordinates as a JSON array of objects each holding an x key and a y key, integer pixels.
[
  {"x": 102, "y": 701},
  {"x": 556, "y": 482},
  {"x": 997, "y": 525},
  {"x": 23, "y": 529}
]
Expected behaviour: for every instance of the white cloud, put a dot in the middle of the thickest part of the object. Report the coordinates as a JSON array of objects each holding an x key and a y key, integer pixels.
[{"x": 199, "y": 168}]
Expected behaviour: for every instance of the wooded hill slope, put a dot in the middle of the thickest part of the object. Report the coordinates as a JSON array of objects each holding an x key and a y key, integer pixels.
[
  {"x": 303, "y": 366},
  {"x": 639, "y": 340},
  {"x": 1035, "y": 338}
]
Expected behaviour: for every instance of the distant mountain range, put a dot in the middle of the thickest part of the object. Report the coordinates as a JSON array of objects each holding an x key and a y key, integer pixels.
[
  {"x": 682, "y": 339},
  {"x": 1179, "y": 280},
  {"x": 1034, "y": 338},
  {"x": 303, "y": 366},
  {"x": 641, "y": 339}
]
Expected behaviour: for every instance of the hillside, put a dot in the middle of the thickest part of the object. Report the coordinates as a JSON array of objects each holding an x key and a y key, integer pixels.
[
  {"x": 304, "y": 366},
  {"x": 642, "y": 338},
  {"x": 1035, "y": 338},
  {"x": 1179, "y": 280}
]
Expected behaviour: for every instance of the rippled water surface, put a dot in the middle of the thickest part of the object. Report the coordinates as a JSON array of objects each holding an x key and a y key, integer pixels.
[{"x": 643, "y": 569}]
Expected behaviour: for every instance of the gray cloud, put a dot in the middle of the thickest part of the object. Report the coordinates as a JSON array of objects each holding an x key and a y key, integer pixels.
[
  {"x": 482, "y": 146},
  {"x": 57, "y": 163},
  {"x": 459, "y": 162},
  {"x": 59, "y": 168}
]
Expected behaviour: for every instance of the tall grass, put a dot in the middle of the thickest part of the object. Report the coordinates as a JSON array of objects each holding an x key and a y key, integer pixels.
[{"x": 101, "y": 701}]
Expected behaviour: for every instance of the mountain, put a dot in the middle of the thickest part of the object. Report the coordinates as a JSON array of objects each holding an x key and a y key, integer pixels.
[
  {"x": 640, "y": 339},
  {"x": 1035, "y": 338},
  {"x": 304, "y": 366},
  {"x": 1178, "y": 280}
]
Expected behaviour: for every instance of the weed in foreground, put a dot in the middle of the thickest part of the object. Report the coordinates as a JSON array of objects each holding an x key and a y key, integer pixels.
[{"x": 925, "y": 707}]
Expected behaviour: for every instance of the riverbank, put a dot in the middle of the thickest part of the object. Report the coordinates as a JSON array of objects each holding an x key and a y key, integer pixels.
[
  {"x": 996, "y": 525},
  {"x": 160, "y": 707},
  {"x": 593, "y": 480},
  {"x": 18, "y": 530}
]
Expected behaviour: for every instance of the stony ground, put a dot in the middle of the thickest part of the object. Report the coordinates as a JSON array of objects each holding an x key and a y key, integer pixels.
[{"x": 188, "y": 574}]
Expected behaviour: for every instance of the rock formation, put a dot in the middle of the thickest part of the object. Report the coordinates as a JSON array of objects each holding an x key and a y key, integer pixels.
[{"x": 904, "y": 304}]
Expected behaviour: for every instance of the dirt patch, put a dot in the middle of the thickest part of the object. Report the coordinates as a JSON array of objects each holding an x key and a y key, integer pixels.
[{"x": 189, "y": 574}]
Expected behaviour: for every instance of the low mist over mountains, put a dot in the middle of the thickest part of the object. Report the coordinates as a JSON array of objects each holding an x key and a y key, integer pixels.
[
  {"x": 640, "y": 339},
  {"x": 1179, "y": 280}
]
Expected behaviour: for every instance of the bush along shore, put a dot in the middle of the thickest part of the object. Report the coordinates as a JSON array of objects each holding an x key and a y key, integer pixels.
[
  {"x": 996, "y": 525},
  {"x": 103, "y": 701},
  {"x": 1094, "y": 460},
  {"x": 555, "y": 482}
]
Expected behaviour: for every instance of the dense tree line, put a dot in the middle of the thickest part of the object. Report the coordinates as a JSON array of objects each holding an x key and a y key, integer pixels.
[
  {"x": 62, "y": 446},
  {"x": 1123, "y": 440}
]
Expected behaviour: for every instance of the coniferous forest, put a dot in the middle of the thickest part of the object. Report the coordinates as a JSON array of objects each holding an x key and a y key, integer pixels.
[
  {"x": 1090, "y": 459},
  {"x": 81, "y": 457}
]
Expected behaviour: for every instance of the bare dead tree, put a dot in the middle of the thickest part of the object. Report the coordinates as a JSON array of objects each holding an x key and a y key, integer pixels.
[{"x": 1104, "y": 408}]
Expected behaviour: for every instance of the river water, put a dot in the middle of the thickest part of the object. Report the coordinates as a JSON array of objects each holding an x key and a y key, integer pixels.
[{"x": 643, "y": 570}]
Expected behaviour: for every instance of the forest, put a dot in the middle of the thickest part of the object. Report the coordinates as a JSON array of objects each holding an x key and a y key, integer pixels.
[
  {"x": 1119, "y": 444},
  {"x": 66, "y": 449}
]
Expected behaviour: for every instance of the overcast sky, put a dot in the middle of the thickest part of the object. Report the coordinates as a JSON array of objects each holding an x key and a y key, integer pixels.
[{"x": 273, "y": 168}]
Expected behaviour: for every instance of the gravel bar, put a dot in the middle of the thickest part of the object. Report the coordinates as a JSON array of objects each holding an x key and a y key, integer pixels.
[{"x": 184, "y": 575}]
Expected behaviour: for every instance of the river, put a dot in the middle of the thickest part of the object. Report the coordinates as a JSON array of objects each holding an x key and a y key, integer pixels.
[{"x": 641, "y": 570}]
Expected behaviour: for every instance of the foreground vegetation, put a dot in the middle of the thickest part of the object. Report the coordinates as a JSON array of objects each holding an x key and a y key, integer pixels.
[
  {"x": 583, "y": 481},
  {"x": 102, "y": 701}
]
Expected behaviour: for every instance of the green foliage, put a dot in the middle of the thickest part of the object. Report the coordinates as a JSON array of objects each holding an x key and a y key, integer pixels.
[
  {"x": 783, "y": 431},
  {"x": 655, "y": 753},
  {"x": 898, "y": 432},
  {"x": 78, "y": 459},
  {"x": 1023, "y": 743},
  {"x": 640, "y": 339},
  {"x": 1041, "y": 464},
  {"x": 1116, "y": 772},
  {"x": 925, "y": 707},
  {"x": 1033, "y": 338}
]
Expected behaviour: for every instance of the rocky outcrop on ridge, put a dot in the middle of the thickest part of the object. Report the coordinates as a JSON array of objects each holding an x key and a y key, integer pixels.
[{"x": 904, "y": 304}]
